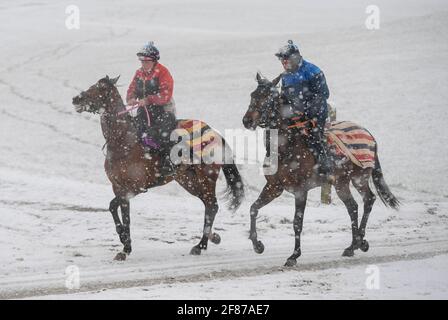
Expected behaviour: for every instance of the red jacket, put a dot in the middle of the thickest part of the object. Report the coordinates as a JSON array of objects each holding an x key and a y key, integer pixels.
[{"x": 155, "y": 86}]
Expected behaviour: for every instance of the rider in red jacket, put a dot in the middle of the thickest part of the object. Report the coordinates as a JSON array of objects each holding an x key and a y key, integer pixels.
[
  {"x": 158, "y": 89},
  {"x": 152, "y": 89}
]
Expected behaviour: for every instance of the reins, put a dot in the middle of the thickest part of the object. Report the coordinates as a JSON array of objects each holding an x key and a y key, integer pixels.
[
  {"x": 129, "y": 108},
  {"x": 126, "y": 109},
  {"x": 270, "y": 104}
]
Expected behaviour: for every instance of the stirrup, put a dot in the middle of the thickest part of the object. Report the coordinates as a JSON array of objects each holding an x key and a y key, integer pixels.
[
  {"x": 167, "y": 168},
  {"x": 331, "y": 178},
  {"x": 325, "y": 167},
  {"x": 328, "y": 176},
  {"x": 167, "y": 171}
]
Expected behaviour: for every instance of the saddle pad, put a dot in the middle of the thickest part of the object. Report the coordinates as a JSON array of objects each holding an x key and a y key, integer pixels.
[{"x": 350, "y": 140}]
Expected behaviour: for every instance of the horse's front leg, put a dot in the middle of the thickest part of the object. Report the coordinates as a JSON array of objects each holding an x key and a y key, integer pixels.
[
  {"x": 269, "y": 193},
  {"x": 300, "y": 202},
  {"x": 113, "y": 208},
  {"x": 124, "y": 230}
]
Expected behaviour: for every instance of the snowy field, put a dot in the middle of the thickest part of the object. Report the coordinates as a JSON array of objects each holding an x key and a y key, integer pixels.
[{"x": 54, "y": 193}]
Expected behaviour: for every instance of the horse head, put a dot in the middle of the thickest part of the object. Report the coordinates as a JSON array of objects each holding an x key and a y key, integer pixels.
[
  {"x": 263, "y": 108},
  {"x": 99, "y": 97}
]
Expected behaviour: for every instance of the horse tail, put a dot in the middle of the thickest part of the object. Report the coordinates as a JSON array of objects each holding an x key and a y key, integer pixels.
[
  {"x": 235, "y": 186},
  {"x": 235, "y": 192},
  {"x": 380, "y": 184}
]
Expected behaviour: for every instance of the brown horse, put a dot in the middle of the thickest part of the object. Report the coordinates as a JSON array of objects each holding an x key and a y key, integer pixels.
[
  {"x": 132, "y": 171},
  {"x": 296, "y": 173}
]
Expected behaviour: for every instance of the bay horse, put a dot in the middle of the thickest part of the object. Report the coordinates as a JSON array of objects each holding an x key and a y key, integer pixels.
[
  {"x": 131, "y": 171},
  {"x": 296, "y": 173}
]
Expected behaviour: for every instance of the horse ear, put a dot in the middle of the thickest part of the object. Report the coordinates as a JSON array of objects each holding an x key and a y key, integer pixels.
[
  {"x": 115, "y": 80},
  {"x": 276, "y": 80},
  {"x": 259, "y": 77}
]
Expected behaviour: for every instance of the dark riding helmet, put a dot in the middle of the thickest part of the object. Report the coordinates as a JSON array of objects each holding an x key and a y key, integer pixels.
[
  {"x": 288, "y": 50},
  {"x": 149, "y": 50}
]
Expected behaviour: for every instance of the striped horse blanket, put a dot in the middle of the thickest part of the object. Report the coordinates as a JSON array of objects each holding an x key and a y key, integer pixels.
[
  {"x": 347, "y": 139},
  {"x": 199, "y": 137}
]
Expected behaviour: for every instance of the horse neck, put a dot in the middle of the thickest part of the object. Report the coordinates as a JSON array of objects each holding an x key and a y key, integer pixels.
[
  {"x": 296, "y": 144},
  {"x": 118, "y": 130}
]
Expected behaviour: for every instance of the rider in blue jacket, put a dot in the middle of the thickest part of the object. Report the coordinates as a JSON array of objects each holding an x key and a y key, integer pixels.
[{"x": 305, "y": 91}]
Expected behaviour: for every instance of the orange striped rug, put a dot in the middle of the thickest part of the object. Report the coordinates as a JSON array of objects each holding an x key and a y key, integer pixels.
[{"x": 202, "y": 139}]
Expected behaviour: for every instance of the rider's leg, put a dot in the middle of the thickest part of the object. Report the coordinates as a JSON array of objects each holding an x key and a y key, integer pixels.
[
  {"x": 318, "y": 143},
  {"x": 166, "y": 123},
  {"x": 141, "y": 123}
]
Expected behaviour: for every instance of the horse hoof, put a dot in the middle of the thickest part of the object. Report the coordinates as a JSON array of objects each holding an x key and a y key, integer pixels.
[
  {"x": 259, "y": 247},
  {"x": 195, "y": 251},
  {"x": 121, "y": 256},
  {"x": 290, "y": 262},
  {"x": 364, "y": 246},
  {"x": 127, "y": 250},
  {"x": 216, "y": 239},
  {"x": 348, "y": 252}
]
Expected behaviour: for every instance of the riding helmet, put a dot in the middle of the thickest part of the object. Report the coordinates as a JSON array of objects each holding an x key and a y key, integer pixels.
[
  {"x": 286, "y": 51},
  {"x": 149, "y": 50}
]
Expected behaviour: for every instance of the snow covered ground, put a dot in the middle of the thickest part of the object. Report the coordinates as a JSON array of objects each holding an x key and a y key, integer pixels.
[
  {"x": 54, "y": 194},
  {"x": 330, "y": 283}
]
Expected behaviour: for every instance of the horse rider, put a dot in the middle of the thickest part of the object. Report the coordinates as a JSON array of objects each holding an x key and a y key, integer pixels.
[
  {"x": 304, "y": 91},
  {"x": 152, "y": 90}
]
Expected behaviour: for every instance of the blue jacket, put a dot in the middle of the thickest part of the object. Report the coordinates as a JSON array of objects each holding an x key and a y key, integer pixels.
[{"x": 306, "y": 91}]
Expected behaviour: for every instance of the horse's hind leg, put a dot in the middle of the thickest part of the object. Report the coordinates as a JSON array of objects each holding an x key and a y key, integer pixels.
[
  {"x": 343, "y": 191},
  {"x": 362, "y": 185},
  {"x": 269, "y": 193},
  {"x": 201, "y": 182},
  {"x": 211, "y": 208}
]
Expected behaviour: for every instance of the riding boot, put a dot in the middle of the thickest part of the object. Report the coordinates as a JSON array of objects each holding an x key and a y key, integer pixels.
[
  {"x": 321, "y": 154},
  {"x": 324, "y": 162},
  {"x": 167, "y": 166}
]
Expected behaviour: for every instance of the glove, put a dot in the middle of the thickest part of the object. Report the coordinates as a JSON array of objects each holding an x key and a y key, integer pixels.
[
  {"x": 131, "y": 110},
  {"x": 132, "y": 102},
  {"x": 141, "y": 103}
]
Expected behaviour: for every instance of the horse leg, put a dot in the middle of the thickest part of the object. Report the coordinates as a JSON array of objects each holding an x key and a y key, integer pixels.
[
  {"x": 211, "y": 208},
  {"x": 300, "y": 201},
  {"x": 269, "y": 193},
  {"x": 343, "y": 191},
  {"x": 368, "y": 197},
  {"x": 125, "y": 231},
  {"x": 113, "y": 208}
]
